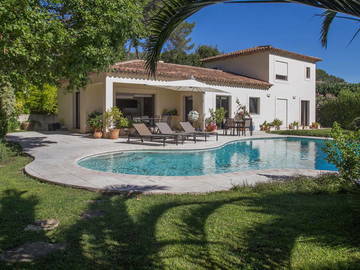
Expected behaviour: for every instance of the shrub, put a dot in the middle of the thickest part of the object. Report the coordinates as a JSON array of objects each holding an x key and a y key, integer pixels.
[
  {"x": 343, "y": 109},
  {"x": 13, "y": 124},
  {"x": 355, "y": 124},
  {"x": 327, "y": 183},
  {"x": 344, "y": 153},
  {"x": 38, "y": 100},
  {"x": 7, "y": 107}
]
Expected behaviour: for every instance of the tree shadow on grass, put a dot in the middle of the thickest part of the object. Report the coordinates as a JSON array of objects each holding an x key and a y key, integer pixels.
[
  {"x": 297, "y": 219},
  {"x": 228, "y": 231},
  {"x": 17, "y": 210}
]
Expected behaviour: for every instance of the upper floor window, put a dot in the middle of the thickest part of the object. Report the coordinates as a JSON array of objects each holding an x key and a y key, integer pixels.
[
  {"x": 254, "y": 105},
  {"x": 308, "y": 73},
  {"x": 281, "y": 71}
]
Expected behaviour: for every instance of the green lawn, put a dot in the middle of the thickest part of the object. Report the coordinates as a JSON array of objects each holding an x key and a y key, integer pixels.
[
  {"x": 306, "y": 132},
  {"x": 302, "y": 224}
]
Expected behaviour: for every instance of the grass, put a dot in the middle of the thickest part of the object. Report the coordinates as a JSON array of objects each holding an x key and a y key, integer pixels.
[{"x": 298, "y": 224}]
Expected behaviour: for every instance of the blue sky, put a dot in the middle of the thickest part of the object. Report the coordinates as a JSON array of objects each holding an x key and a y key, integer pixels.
[{"x": 288, "y": 26}]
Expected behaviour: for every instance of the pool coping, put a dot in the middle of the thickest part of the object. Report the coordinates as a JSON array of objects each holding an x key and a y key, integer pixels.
[{"x": 70, "y": 173}]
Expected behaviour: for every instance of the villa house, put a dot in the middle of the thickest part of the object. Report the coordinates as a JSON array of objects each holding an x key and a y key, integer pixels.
[{"x": 271, "y": 82}]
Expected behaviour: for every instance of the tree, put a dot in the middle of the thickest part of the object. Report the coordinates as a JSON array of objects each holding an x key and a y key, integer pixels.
[
  {"x": 191, "y": 59},
  {"x": 178, "y": 44},
  {"x": 49, "y": 41},
  {"x": 323, "y": 76},
  {"x": 205, "y": 51},
  {"x": 7, "y": 107},
  {"x": 175, "y": 12},
  {"x": 179, "y": 40}
]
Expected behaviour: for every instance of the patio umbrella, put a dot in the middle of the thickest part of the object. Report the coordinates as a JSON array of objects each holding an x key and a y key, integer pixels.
[
  {"x": 188, "y": 85},
  {"x": 181, "y": 85}
]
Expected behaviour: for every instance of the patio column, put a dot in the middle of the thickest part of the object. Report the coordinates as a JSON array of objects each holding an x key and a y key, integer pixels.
[
  {"x": 109, "y": 93},
  {"x": 203, "y": 115}
]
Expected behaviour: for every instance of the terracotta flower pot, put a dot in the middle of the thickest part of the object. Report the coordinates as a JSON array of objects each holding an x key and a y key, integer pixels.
[
  {"x": 114, "y": 134},
  {"x": 211, "y": 127},
  {"x": 97, "y": 134}
]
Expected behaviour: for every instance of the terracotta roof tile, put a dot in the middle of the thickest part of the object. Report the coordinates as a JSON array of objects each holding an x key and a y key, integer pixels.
[
  {"x": 260, "y": 49},
  {"x": 167, "y": 71}
]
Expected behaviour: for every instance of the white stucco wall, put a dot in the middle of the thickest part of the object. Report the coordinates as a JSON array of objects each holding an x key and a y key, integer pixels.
[
  {"x": 297, "y": 87},
  {"x": 294, "y": 90},
  {"x": 254, "y": 66}
]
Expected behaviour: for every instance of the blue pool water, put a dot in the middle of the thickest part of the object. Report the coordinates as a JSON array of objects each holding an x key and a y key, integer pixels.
[{"x": 254, "y": 154}]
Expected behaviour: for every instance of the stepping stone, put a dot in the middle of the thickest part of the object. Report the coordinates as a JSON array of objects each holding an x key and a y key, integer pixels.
[
  {"x": 30, "y": 251},
  {"x": 43, "y": 225},
  {"x": 92, "y": 214}
]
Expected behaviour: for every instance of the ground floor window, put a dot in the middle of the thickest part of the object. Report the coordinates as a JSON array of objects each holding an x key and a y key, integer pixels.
[
  {"x": 254, "y": 105},
  {"x": 223, "y": 102},
  {"x": 136, "y": 105}
]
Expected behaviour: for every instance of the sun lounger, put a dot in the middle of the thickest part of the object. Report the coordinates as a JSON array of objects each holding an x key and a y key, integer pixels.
[
  {"x": 165, "y": 129},
  {"x": 145, "y": 134},
  {"x": 188, "y": 128}
]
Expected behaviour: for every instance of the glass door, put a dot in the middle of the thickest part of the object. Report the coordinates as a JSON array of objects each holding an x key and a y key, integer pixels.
[
  {"x": 223, "y": 102},
  {"x": 188, "y": 101},
  {"x": 305, "y": 113}
]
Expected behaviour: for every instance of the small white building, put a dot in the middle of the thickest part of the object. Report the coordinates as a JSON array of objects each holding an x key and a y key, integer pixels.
[{"x": 272, "y": 83}]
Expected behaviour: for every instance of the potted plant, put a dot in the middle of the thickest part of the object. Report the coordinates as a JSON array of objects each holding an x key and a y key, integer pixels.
[
  {"x": 314, "y": 125},
  {"x": 265, "y": 126},
  {"x": 210, "y": 124},
  {"x": 111, "y": 118},
  {"x": 122, "y": 124},
  {"x": 216, "y": 119},
  {"x": 295, "y": 124},
  {"x": 277, "y": 123},
  {"x": 95, "y": 122}
]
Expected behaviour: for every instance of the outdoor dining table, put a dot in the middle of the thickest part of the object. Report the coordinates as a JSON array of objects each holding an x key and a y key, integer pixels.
[{"x": 239, "y": 125}]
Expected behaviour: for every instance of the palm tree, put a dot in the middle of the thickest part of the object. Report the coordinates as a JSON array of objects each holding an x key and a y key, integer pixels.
[{"x": 174, "y": 12}]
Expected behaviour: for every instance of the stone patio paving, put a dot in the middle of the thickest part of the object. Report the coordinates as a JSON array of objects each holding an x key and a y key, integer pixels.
[{"x": 56, "y": 155}]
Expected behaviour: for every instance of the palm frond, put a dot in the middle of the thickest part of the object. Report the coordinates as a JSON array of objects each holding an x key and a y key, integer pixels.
[
  {"x": 173, "y": 12},
  {"x": 329, "y": 17},
  {"x": 354, "y": 36}
]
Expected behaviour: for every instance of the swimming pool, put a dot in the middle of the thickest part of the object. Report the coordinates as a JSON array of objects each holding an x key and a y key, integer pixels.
[{"x": 243, "y": 155}]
